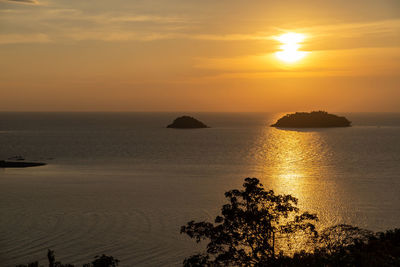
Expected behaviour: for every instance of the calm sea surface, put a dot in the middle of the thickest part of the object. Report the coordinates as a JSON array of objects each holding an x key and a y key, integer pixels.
[{"x": 122, "y": 184}]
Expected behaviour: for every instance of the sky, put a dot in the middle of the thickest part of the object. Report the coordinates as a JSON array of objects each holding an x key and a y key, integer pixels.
[{"x": 190, "y": 55}]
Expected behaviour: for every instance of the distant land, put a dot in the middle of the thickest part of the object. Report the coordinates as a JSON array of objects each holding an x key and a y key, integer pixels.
[
  {"x": 187, "y": 122},
  {"x": 314, "y": 119},
  {"x": 19, "y": 164}
]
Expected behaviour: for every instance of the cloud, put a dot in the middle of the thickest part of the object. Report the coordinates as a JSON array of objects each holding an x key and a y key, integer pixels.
[
  {"x": 31, "y": 2},
  {"x": 108, "y": 36},
  {"x": 146, "y": 18},
  {"x": 70, "y": 24},
  {"x": 373, "y": 34},
  {"x": 23, "y": 38},
  {"x": 231, "y": 37}
]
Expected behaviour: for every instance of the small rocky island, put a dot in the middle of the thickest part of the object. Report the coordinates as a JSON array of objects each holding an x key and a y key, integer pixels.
[
  {"x": 19, "y": 164},
  {"x": 187, "y": 122},
  {"x": 314, "y": 119}
]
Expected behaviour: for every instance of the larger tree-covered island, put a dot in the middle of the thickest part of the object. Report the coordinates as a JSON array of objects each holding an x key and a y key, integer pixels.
[{"x": 314, "y": 119}]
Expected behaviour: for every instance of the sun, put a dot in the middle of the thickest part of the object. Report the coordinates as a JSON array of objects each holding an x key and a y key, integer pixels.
[{"x": 289, "y": 50}]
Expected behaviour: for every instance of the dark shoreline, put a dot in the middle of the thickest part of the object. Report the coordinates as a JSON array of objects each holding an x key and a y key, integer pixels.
[{"x": 19, "y": 164}]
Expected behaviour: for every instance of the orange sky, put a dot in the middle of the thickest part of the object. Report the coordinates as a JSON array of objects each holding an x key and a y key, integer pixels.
[{"x": 187, "y": 55}]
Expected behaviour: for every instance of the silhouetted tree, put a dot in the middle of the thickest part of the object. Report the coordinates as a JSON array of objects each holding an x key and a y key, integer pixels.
[
  {"x": 32, "y": 264},
  {"x": 246, "y": 233},
  {"x": 100, "y": 261},
  {"x": 51, "y": 258},
  {"x": 345, "y": 245},
  {"x": 337, "y": 237}
]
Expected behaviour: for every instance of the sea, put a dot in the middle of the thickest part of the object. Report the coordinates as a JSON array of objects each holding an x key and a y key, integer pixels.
[{"x": 123, "y": 184}]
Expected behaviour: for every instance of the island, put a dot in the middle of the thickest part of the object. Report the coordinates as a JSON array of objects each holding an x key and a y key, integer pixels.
[
  {"x": 314, "y": 119},
  {"x": 187, "y": 122},
  {"x": 19, "y": 164}
]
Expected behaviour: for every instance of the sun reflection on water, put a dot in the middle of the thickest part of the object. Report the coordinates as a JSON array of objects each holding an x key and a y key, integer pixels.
[
  {"x": 292, "y": 162},
  {"x": 288, "y": 160},
  {"x": 300, "y": 163}
]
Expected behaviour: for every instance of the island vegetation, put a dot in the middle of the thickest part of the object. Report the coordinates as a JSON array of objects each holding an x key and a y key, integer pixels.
[
  {"x": 314, "y": 119},
  {"x": 187, "y": 122},
  {"x": 260, "y": 228}
]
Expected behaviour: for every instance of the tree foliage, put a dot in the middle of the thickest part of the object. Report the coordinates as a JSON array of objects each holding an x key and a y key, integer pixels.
[
  {"x": 99, "y": 261},
  {"x": 246, "y": 232},
  {"x": 337, "y": 237},
  {"x": 103, "y": 261},
  {"x": 350, "y": 246}
]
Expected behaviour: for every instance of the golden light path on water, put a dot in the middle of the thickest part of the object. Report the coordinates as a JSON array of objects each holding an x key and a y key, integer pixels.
[
  {"x": 289, "y": 159},
  {"x": 298, "y": 163},
  {"x": 293, "y": 162}
]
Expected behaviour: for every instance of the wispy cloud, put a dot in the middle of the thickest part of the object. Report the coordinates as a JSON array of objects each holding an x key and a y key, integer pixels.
[
  {"x": 76, "y": 25},
  {"x": 24, "y": 38},
  {"x": 70, "y": 24},
  {"x": 338, "y": 34},
  {"x": 230, "y": 37},
  {"x": 31, "y": 2},
  {"x": 381, "y": 33},
  {"x": 146, "y": 18},
  {"x": 116, "y": 36}
]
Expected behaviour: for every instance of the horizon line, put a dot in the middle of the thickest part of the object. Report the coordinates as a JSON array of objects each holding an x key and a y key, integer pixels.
[{"x": 127, "y": 111}]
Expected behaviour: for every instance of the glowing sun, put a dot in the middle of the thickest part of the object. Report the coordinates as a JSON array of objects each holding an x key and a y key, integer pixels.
[{"x": 289, "y": 50}]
